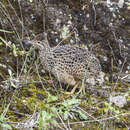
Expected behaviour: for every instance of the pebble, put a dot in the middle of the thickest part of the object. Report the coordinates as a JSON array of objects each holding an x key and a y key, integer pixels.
[{"x": 119, "y": 101}]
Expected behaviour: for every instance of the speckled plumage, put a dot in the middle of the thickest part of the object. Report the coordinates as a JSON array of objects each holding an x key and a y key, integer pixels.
[{"x": 69, "y": 64}]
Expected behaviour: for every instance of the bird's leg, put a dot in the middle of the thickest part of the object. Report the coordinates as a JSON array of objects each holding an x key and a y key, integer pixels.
[
  {"x": 71, "y": 81},
  {"x": 82, "y": 87},
  {"x": 73, "y": 90}
]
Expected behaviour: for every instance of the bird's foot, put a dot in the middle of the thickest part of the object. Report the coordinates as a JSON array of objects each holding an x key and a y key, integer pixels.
[
  {"x": 72, "y": 91},
  {"x": 82, "y": 89}
]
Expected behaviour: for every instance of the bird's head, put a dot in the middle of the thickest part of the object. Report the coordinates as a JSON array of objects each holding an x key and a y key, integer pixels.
[{"x": 40, "y": 45}]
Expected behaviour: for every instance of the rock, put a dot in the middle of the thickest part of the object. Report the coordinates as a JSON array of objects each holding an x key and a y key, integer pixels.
[
  {"x": 119, "y": 101},
  {"x": 100, "y": 78}
]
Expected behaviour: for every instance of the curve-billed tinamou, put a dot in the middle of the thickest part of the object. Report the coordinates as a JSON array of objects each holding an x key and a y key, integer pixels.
[{"x": 69, "y": 64}]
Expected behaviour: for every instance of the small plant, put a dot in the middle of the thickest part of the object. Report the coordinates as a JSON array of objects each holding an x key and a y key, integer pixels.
[
  {"x": 66, "y": 109},
  {"x": 48, "y": 115},
  {"x": 69, "y": 107},
  {"x": 109, "y": 108},
  {"x": 3, "y": 124}
]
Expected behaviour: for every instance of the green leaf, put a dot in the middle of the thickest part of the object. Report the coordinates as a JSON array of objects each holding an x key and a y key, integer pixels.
[
  {"x": 53, "y": 109},
  {"x": 70, "y": 102},
  {"x": 51, "y": 98},
  {"x": 15, "y": 50},
  {"x": 106, "y": 104},
  {"x": 2, "y": 118},
  {"x": 3, "y": 124},
  {"x": 73, "y": 101},
  {"x": 7, "y": 126},
  {"x": 83, "y": 116},
  {"x": 117, "y": 111},
  {"x": 66, "y": 115}
]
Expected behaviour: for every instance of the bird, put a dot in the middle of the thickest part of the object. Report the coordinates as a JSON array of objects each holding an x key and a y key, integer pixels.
[{"x": 70, "y": 64}]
